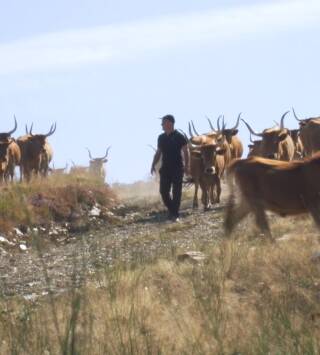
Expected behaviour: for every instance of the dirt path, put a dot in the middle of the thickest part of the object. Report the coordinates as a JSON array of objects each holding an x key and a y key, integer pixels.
[{"x": 56, "y": 267}]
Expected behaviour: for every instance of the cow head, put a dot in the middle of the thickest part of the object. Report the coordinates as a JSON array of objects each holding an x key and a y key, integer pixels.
[
  {"x": 302, "y": 122},
  {"x": 37, "y": 142},
  {"x": 254, "y": 147},
  {"x": 229, "y": 132},
  {"x": 209, "y": 153},
  {"x": 271, "y": 138},
  {"x": 4, "y": 136},
  {"x": 201, "y": 139}
]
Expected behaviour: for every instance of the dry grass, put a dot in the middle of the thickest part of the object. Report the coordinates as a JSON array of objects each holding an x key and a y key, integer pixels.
[
  {"x": 248, "y": 297},
  {"x": 51, "y": 199}
]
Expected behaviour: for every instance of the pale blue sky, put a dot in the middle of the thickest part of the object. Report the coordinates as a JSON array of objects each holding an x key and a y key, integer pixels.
[{"x": 105, "y": 70}]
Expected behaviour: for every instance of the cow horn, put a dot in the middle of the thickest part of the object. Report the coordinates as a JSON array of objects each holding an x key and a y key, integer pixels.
[
  {"x": 282, "y": 119},
  {"x": 184, "y": 134},
  {"x": 190, "y": 132},
  {"x": 211, "y": 125},
  {"x": 237, "y": 123},
  {"x": 218, "y": 123},
  {"x": 194, "y": 130},
  {"x": 152, "y": 147},
  {"x": 89, "y": 153},
  {"x": 295, "y": 115},
  {"x": 251, "y": 130},
  {"x": 223, "y": 124},
  {"x": 251, "y": 140},
  {"x": 27, "y": 129},
  {"x": 107, "y": 151},
  {"x": 52, "y": 130},
  {"x": 15, "y": 126}
]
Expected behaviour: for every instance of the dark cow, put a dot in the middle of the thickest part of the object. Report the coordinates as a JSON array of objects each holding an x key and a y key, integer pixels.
[
  {"x": 286, "y": 188},
  {"x": 276, "y": 141},
  {"x": 309, "y": 134},
  {"x": 36, "y": 153}
]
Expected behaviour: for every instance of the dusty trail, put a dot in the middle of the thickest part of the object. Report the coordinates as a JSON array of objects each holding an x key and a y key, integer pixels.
[{"x": 143, "y": 233}]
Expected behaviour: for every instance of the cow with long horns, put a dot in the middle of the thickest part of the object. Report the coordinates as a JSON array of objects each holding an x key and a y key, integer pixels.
[
  {"x": 276, "y": 142},
  {"x": 309, "y": 134},
  {"x": 36, "y": 153},
  {"x": 96, "y": 167},
  {"x": 207, "y": 164}
]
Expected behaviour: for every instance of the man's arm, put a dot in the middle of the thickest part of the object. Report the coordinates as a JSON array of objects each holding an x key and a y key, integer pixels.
[
  {"x": 155, "y": 161},
  {"x": 186, "y": 156}
]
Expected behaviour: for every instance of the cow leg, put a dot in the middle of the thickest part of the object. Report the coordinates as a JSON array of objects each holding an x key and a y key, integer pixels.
[
  {"x": 195, "y": 197},
  {"x": 218, "y": 188},
  {"x": 261, "y": 219},
  {"x": 234, "y": 214},
  {"x": 205, "y": 196},
  {"x": 314, "y": 209}
]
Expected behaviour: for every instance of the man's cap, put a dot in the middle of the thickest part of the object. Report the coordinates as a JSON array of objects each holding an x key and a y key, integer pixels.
[{"x": 169, "y": 118}]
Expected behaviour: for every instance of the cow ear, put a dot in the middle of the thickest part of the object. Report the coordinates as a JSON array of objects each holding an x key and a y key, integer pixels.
[
  {"x": 250, "y": 145},
  {"x": 282, "y": 136},
  {"x": 235, "y": 131},
  {"x": 105, "y": 160}
]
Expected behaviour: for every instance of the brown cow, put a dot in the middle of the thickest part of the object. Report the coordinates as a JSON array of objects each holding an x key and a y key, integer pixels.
[
  {"x": 286, "y": 188},
  {"x": 13, "y": 152},
  {"x": 207, "y": 165},
  {"x": 230, "y": 134},
  {"x": 276, "y": 142},
  {"x": 309, "y": 134},
  {"x": 4, "y": 159},
  {"x": 96, "y": 165},
  {"x": 58, "y": 171},
  {"x": 36, "y": 153},
  {"x": 78, "y": 169}
]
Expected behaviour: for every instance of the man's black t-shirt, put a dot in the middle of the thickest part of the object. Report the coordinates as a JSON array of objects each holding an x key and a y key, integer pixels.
[{"x": 170, "y": 147}]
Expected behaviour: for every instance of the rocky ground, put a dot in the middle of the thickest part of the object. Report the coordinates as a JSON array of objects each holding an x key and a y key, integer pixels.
[{"x": 42, "y": 260}]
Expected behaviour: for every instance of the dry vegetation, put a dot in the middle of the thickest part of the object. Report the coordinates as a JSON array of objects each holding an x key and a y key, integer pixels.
[
  {"x": 55, "y": 199},
  {"x": 247, "y": 297}
]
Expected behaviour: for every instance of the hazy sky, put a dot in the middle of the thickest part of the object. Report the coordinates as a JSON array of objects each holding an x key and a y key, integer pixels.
[{"x": 105, "y": 70}]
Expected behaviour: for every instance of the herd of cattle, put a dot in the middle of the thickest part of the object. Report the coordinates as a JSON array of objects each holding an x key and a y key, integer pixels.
[
  {"x": 33, "y": 154},
  {"x": 281, "y": 172}
]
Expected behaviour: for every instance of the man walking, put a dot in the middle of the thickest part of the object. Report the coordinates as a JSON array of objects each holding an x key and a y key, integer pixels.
[{"x": 170, "y": 145}]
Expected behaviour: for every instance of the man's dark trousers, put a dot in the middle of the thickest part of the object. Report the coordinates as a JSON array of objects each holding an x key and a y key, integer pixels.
[{"x": 171, "y": 179}]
